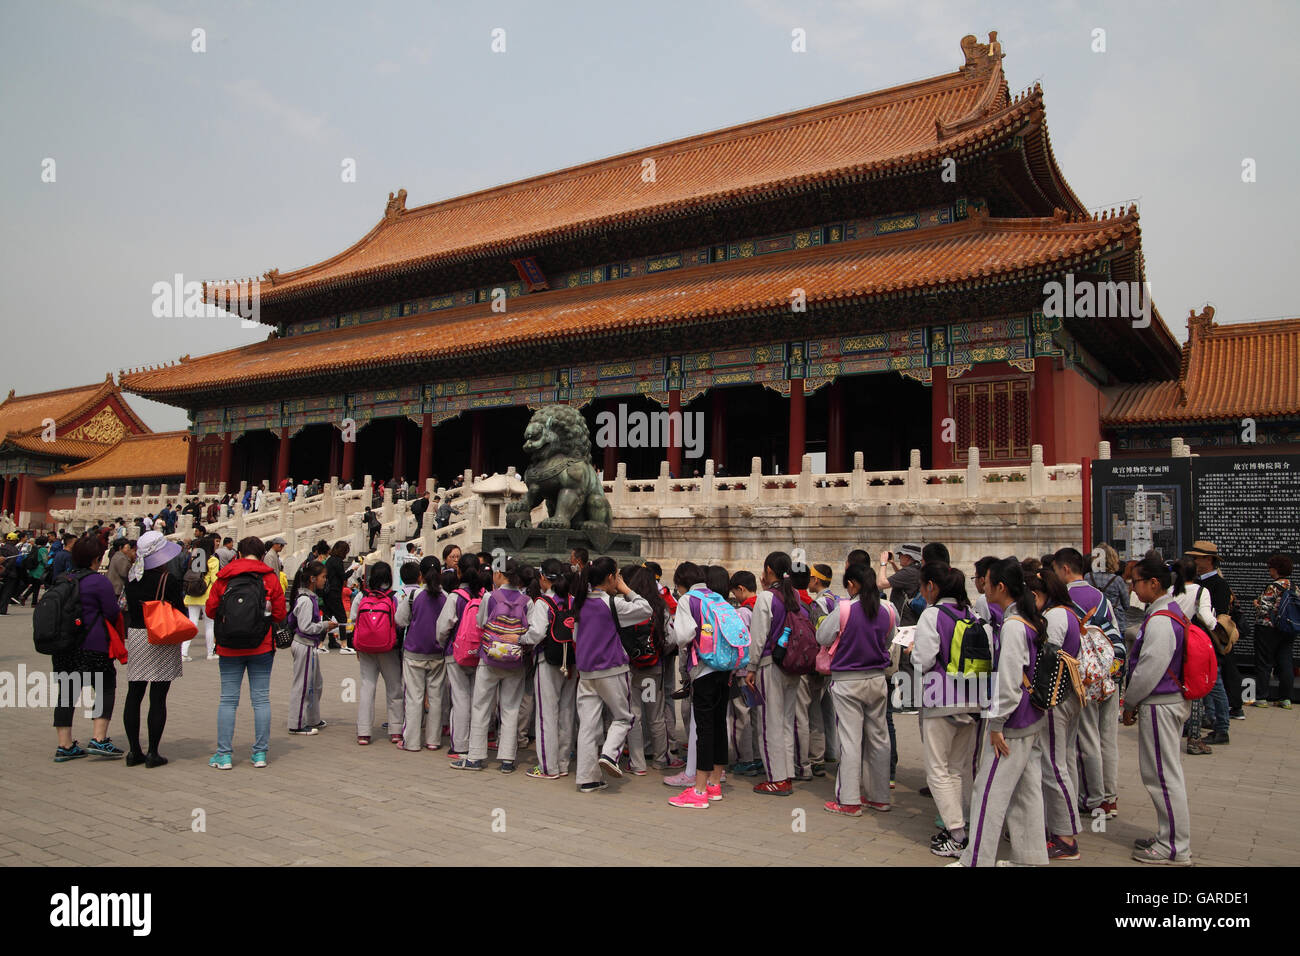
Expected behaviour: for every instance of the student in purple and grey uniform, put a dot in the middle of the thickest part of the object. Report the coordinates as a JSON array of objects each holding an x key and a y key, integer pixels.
[
  {"x": 1061, "y": 749},
  {"x": 555, "y": 686},
  {"x": 778, "y": 690},
  {"x": 309, "y": 628},
  {"x": 858, "y": 688},
  {"x": 424, "y": 660},
  {"x": 603, "y": 678},
  {"x": 1154, "y": 701},
  {"x": 1008, "y": 788},
  {"x": 460, "y": 678}
]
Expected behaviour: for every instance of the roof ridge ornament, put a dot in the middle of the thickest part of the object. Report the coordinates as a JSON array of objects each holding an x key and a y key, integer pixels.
[
  {"x": 982, "y": 60},
  {"x": 981, "y": 56},
  {"x": 396, "y": 205}
]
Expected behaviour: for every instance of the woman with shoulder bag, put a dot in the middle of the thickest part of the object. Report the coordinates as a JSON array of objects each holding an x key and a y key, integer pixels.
[{"x": 150, "y": 667}]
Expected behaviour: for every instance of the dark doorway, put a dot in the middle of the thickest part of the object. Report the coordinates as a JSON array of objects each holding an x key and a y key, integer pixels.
[
  {"x": 252, "y": 458},
  {"x": 309, "y": 453},
  {"x": 885, "y": 416},
  {"x": 758, "y": 426}
]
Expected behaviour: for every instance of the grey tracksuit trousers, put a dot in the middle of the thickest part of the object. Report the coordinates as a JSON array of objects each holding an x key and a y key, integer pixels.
[
  {"x": 863, "y": 739},
  {"x": 1060, "y": 756},
  {"x": 305, "y": 691},
  {"x": 594, "y": 695},
  {"x": 949, "y": 744},
  {"x": 423, "y": 676},
  {"x": 372, "y": 665},
  {"x": 810, "y": 722},
  {"x": 1160, "y": 761},
  {"x": 460, "y": 681},
  {"x": 648, "y": 706},
  {"x": 776, "y": 720},
  {"x": 1098, "y": 747},
  {"x": 743, "y": 729},
  {"x": 490, "y": 683},
  {"x": 1008, "y": 790},
  {"x": 556, "y": 710}
]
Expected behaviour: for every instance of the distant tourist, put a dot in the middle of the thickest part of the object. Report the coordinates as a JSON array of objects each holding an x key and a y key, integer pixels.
[{"x": 1274, "y": 647}]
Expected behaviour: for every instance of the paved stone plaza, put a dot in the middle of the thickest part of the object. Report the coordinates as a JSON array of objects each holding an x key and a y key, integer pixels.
[{"x": 324, "y": 800}]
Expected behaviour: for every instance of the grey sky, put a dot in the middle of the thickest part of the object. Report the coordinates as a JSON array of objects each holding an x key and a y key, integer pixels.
[{"x": 227, "y": 163}]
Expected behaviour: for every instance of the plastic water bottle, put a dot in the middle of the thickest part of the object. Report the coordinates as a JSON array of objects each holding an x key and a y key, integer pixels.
[{"x": 784, "y": 638}]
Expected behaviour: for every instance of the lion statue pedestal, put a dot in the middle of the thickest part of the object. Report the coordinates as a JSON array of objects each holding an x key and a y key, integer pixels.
[{"x": 560, "y": 474}]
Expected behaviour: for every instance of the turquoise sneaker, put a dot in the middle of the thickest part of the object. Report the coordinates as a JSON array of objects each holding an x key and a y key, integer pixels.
[
  {"x": 220, "y": 762},
  {"x": 259, "y": 759},
  {"x": 1285, "y": 704}
]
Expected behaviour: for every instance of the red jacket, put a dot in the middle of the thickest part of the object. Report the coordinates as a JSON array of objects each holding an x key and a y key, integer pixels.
[{"x": 274, "y": 592}]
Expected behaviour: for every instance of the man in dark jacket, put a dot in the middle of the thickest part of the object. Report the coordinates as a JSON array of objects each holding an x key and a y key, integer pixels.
[
  {"x": 418, "y": 508},
  {"x": 61, "y": 556}
]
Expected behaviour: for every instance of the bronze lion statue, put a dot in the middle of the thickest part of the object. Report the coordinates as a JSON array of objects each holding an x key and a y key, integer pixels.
[{"x": 560, "y": 473}]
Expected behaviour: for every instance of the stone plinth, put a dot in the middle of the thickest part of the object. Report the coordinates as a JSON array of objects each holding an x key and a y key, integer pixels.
[{"x": 534, "y": 545}]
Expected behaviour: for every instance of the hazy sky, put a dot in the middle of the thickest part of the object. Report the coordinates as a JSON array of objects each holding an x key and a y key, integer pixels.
[{"x": 227, "y": 163}]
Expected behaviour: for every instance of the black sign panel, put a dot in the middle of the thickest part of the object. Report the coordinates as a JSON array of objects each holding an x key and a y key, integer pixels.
[
  {"x": 1250, "y": 509},
  {"x": 1143, "y": 503}
]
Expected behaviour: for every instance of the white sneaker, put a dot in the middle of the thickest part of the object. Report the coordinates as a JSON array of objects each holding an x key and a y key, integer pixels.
[
  {"x": 322, "y": 649},
  {"x": 212, "y": 657},
  {"x": 187, "y": 659},
  {"x": 347, "y": 650}
]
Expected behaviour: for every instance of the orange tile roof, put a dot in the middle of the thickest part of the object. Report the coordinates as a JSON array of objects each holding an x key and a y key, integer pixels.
[
  {"x": 1246, "y": 370},
  {"x": 157, "y": 455},
  {"x": 862, "y": 136},
  {"x": 78, "y": 448},
  {"x": 973, "y": 251},
  {"x": 25, "y": 413}
]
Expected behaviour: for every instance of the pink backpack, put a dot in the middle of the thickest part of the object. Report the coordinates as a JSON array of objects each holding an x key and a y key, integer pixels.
[
  {"x": 827, "y": 654},
  {"x": 376, "y": 631},
  {"x": 469, "y": 636}
]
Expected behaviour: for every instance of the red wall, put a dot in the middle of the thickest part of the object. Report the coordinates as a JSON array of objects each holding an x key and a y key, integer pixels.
[{"x": 1077, "y": 415}]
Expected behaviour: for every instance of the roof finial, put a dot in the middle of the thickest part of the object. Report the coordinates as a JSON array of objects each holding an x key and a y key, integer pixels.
[
  {"x": 981, "y": 56},
  {"x": 396, "y": 205}
]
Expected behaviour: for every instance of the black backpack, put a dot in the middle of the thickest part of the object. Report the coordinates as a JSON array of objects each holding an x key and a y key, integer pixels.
[
  {"x": 557, "y": 645},
  {"x": 241, "y": 622},
  {"x": 638, "y": 640},
  {"x": 57, "y": 626}
]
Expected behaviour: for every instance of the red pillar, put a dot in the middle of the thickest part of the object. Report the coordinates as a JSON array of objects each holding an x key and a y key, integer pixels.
[
  {"x": 192, "y": 464},
  {"x": 675, "y": 432},
  {"x": 224, "y": 474},
  {"x": 476, "y": 443},
  {"x": 1044, "y": 423},
  {"x": 4, "y": 506},
  {"x": 349, "y": 469},
  {"x": 336, "y": 455},
  {"x": 1085, "y": 476},
  {"x": 426, "y": 451},
  {"x": 797, "y": 426},
  {"x": 282, "y": 458},
  {"x": 18, "y": 496},
  {"x": 609, "y": 460},
  {"x": 718, "y": 440},
  {"x": 835, "y": 459},
  {"x": 399, "y": 450},
  {"x": 942, "y": 453}
]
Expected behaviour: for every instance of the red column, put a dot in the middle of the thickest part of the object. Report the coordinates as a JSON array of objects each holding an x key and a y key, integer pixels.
[
  {"x": 609, "y": 461},
  {"x": 942, "y": 453},
  {"x": 192, "y": 464},
  {"x": 224, "y": 473},
  {"x": 1085, "y": 476},
  {"x": 476, "y": 443},
  {"x": 336, "y": 455},
  {"x": 718, "y": 440},
  {"x": 835, "y": 461},
  {"x": 797, "y": 426},
  {"x": 1044, "y": 422},
  {"x": 426, "y": 451},
  {"x": 18, "y": 496},
  {"x": 675, "y": 432},
  {"x": 4, "y": 506},
  {"x": 282, "y": 458},
  {"x": 399, "y": 450}
]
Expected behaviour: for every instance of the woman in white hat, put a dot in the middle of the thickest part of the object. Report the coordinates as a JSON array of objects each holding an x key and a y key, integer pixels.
[{"x": 154, "y": 576}]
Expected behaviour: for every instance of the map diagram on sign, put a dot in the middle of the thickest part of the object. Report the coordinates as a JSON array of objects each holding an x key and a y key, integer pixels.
[{"x": 1141, "y": 519}]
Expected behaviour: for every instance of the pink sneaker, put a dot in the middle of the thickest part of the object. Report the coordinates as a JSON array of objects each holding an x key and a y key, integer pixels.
[
  {"x": 679, "y": 780},
  {"x": 690, "y": 799},
  {"x": 714, "y": 793}
]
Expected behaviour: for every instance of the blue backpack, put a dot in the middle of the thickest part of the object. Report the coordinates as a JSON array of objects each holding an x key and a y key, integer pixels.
[
  {"x": 723, "y": 642},
  {"x": 1287, "y": 618}
]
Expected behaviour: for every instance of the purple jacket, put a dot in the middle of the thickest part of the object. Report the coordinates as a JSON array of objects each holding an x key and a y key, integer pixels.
[
  {"x": 864, "y": 645},
  {"x": 596, "y": 643},
  {"x": 422, "y": 633},
  {"x": 1166, "y": 684},
  {"x": 98, "y": 603},
  {"x": 1025, "y": 714}
]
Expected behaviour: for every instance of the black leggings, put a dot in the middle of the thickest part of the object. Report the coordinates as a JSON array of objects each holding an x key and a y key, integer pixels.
[
  {"x": 157, "y": 712},
  {"x": 76, "y": 669},
  {"x": 709, "y": 696}
]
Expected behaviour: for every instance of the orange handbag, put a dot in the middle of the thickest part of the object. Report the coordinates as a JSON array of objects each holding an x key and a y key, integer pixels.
[
  {"x": 116, "y": 645},
  {"x": 164, "y": 623}
]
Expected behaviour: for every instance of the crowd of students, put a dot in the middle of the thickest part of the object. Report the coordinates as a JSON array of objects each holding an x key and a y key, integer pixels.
[{"x": 585, "y": 662}]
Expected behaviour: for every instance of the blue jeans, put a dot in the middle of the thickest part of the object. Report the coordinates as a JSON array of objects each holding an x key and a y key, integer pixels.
[
  {"x": 259, "y": 690},
  {"x": 1216, "y": 705}
]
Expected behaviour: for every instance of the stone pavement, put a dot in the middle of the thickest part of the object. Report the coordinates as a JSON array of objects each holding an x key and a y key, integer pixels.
[{"x": 325, "y": 801}]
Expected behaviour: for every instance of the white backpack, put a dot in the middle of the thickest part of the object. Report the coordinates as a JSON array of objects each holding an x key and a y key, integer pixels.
[{"x": 1096, "y": 660}]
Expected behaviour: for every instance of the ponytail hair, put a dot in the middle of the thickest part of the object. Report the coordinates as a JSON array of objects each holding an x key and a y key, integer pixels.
[
  {"x": 467, "y": 572},
  {"x": 559, "y": 575},
  {"x": 431, "y": 571},
  {"x": 302, "y": 580},
  {"x": 950, "y": 581},
  {"x": 591, "y": 576},
  {"x": 778, "y": 562},
  {"x": 1168, "y": 575},
  {"x": 1046, "y": 581},
  {"x": 1011, "y": 575},
  {"x": 868, "y": 591}
]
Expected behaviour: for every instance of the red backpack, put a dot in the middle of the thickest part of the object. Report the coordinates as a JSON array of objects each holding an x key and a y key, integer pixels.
[
  {"x": 1200, "y": 666},
  {"x": 376, "y": 631}
]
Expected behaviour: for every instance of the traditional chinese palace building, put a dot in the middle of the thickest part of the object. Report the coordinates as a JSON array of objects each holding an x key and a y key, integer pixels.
[
  {"x": 841, "y": 278},
  {"x": 42, "y": 434}
]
